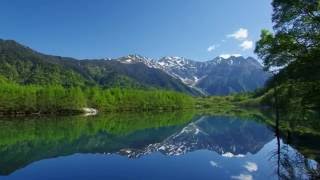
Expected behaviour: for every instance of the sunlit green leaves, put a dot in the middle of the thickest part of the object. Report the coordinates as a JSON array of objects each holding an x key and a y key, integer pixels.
[{"x": 16, "y": 98}]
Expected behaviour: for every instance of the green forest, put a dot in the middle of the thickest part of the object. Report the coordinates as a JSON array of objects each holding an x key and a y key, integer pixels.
[{"x": 29, "y": 99}]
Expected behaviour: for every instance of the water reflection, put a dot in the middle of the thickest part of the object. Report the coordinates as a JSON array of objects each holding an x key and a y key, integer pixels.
[
  {"x": 303, "y": 135},
  {"x": 228, "y": 136},
  {"x": 23, "y": 141},
  {"x": 183, "y": 145}
]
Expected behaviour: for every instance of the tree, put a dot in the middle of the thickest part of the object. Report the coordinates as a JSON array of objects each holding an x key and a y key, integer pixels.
[
  {"x": 294, "y": 48},
  {"x": 75, "y": 99},
  {"x": 296, "y": 33}
]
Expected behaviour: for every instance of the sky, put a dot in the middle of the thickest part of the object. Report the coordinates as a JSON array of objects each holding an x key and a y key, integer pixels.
[{"x": 195, "y": 29}]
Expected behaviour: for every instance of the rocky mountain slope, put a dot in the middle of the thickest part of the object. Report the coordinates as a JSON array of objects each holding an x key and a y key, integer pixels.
[{"x": 220, "y": 76}]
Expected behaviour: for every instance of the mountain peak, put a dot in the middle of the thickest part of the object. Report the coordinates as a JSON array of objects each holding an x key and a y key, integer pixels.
[
  {"x": 136, "y": 56},
  {"x": 173, "y": 58},
  {"x": 235, "y": 60},
  {"x": 133, "y": 58}
]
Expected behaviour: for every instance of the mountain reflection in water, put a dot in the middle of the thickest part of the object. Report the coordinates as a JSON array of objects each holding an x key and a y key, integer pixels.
[{"x": 155, "y": 146}]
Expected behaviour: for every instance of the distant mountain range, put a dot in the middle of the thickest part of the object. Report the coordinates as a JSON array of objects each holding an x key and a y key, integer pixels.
[{"x": 219, "y": 76}]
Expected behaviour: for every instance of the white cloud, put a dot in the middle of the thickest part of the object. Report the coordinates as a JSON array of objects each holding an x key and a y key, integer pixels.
[
  {"x": 247, "y": 44},
  {"x": 227, "y": 56},
  {"x": 236, "y": 55},
  {"x": 212, "y": 47},
  {"x": 251, "y": 167},
  {"x": 213, "y": 164},
  {"x": 242, "y": 177},
  {"x": 229, "y": 154},
  {"x": 241, "y": 34}
]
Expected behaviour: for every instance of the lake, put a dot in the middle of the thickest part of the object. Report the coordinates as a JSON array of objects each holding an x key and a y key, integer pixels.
[{"x": 179, "y": 145}]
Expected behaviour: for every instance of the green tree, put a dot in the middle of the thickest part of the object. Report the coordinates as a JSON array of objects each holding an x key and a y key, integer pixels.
[
  {"x": 75, "y": 99},
  {"x": 294, "y": 48},
  {"x": 296, "y": 33}
]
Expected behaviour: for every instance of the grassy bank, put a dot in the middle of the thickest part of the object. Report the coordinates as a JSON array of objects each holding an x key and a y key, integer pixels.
[{"x": 225, "y": 103}]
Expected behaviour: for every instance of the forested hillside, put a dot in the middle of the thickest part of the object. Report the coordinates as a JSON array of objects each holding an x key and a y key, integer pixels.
[{"x": 23, "y": 65}]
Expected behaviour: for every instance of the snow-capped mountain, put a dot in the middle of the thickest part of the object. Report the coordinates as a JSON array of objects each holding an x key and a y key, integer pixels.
[
  {"x": 219, "y": 76},
  {"x": 184, "y": 69},
  {"x": 134, "y": 58}
]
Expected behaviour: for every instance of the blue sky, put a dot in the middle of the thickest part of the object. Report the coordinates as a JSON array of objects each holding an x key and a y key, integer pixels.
[{"x": 196, "y": 29}]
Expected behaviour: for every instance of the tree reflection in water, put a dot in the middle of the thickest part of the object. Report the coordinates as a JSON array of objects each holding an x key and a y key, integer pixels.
[{"x": 291, "y": 164}]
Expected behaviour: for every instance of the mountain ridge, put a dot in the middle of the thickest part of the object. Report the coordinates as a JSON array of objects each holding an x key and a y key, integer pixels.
[
  {"x": 239, "y": 74},
  {"x": 27, "y": 66},
  {"x": 21, "y": 64}
]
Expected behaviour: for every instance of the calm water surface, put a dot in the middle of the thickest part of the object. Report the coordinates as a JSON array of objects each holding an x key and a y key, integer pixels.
[{"x": 156, "y": 146}]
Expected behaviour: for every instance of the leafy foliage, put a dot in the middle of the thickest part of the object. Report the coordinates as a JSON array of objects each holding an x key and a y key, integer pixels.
[
  {"x": 16, "y": 98},
  {"x": 297, "y": 32},
  {"x": 294, "y": 48}
]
